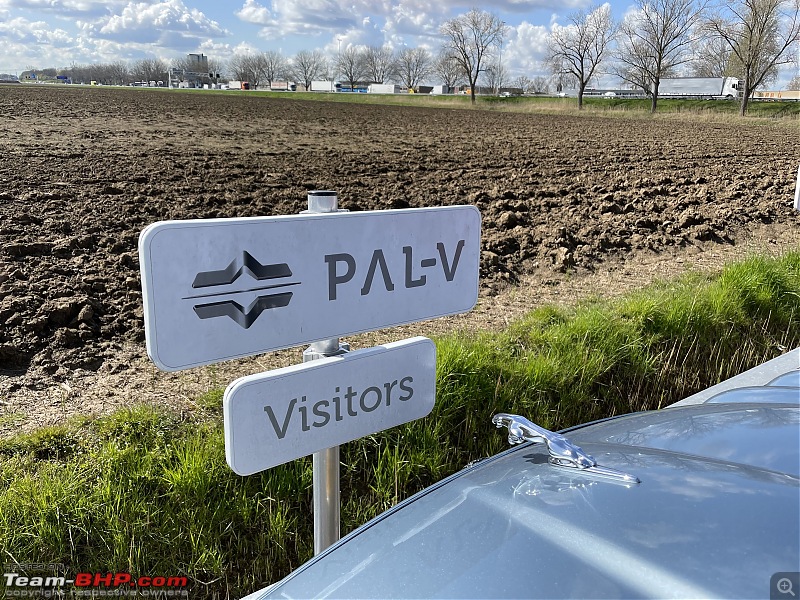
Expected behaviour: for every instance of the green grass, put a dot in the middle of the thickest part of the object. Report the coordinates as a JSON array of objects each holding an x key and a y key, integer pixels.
[
  {"x": 638, "y": 107},
  {"x": 148, "y": 491}
]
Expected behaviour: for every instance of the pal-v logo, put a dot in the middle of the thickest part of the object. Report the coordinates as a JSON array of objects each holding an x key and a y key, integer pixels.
[
  {"x": 219, "y": 289},
  {"x": 378, "y": 268},
  {"x": 233, "y": 309}
]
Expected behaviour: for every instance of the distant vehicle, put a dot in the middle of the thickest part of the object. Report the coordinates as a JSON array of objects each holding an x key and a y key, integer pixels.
[
  {"x": 238, "y": 85},
  {"x": 698, "y": 500},
  {"x": 384, "y": 88},
  {"x": 356, "y": 89},
  {"x": 282, "y": 86},
  {"x": 324, "y": 86},
  {"x": 782, "y": 95},
  {"x": 709, "y": 88},
  {"x": 610, "y": 95}
]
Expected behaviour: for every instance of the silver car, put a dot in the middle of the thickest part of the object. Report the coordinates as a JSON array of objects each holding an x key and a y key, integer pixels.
[{"x": 699, "y": 500}]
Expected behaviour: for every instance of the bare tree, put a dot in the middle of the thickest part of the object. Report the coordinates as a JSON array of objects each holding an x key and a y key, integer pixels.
[
  {"x": 198, "y": 69},
  {"x": 761, "y": 35},
  {"x": 119, "y": 73},
  {"x": 447, "y": 69},
  {"x": 183, "y": 63},
  {"x": 794, "y": 83},
  {"x": 493, "y": 77},
  {"x": 539, "y": 85},
  {"x": 655, "y": 39},
  {"x": 257, "y": 67},
  {"x": 215, "y": 68},
  {"x": 413, "y": 66},
  {"x": 524, "y": 83},
  {"x": 637, "y": 70},
  {"x": 77, "y": 72},
  {"x": 500, "y": 73},
  {"x": 149, "y": 69},
  {"x": 183, "y": 68},
  {"x": 470, "y": 40},
  {"x": 351, "y": 66},
  {"x": 578, "y": 49},
  {"x": 711, "y": 56},
  {"x": 240, "y": 67},
  {"x": 379, "y": 63},
  {"x": 306, "y": 66},
  {"x": 272, "y": 65}
]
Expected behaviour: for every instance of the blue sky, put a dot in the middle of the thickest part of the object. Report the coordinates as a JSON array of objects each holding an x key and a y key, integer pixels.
[{"x": 55, "y": 33}]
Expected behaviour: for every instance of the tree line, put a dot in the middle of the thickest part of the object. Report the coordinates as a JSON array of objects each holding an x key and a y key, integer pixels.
[{"x": 658, "y": 39}]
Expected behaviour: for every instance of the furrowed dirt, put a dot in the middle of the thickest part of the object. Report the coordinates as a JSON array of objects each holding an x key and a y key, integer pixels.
[{"x": 571, "y": 205}]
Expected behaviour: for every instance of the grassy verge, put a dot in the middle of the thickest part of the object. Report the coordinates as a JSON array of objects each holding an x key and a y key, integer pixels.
[
  {"x": 641, "y": 106},
  {"x": 638, "y": 107},
  {"x": 149, "y": 492},
  {"x": 630, "y": 107}
]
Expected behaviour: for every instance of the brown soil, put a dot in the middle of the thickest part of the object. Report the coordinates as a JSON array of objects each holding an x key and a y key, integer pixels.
[{"x": 572, "y": 206}]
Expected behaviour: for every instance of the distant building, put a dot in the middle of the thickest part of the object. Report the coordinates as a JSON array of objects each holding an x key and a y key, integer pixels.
[
  {"x": 198, "y": 63},
  {"x": 191, "y": 73}
]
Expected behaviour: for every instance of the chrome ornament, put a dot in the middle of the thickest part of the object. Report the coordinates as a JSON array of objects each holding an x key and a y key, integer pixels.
[{"x": 563, "y": 453}]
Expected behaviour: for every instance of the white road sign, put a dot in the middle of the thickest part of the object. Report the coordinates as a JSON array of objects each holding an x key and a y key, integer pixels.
[
  {"x": 219, "y": 289},
  {"x": 281, "y": 415}
]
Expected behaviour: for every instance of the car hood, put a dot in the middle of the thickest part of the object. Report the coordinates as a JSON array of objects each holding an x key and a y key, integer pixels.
[{"x": 714, "y": 519}]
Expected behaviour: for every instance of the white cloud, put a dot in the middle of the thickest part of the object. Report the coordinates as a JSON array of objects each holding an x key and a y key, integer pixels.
[
  {"x": 33, "y": 32},
  {"x": 163, "y": 22},
  {"x": 358, "y": 22},
  {"x": 338, "y": 17},
  {"x": 412, "y": 18},
  {"x": 65, "y": 8},
  {"x": 125, "y": 31},
  {"x": 108, "y": 30},
  {"x": 303, "y": 17},
  {"x": 526, "y": 49},
  {"x": 36, "y": 44},
  {"x": 253, "y": 12},
  {"x": 244, "y": 48},
  {"x": 219, "y": 51}
]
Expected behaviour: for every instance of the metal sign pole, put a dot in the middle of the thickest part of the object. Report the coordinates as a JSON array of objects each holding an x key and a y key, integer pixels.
[{"x": 326, "y": 462}]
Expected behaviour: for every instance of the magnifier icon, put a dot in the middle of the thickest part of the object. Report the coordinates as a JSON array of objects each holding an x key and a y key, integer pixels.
[{"x": 784, "y": 586}]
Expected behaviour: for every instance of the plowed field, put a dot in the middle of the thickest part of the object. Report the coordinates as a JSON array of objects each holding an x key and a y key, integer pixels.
[{"x": 84, "y": 170}]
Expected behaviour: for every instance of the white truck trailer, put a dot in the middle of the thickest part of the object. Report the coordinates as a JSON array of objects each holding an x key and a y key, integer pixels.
[
  {"x": 780, "y": 95},
  {"x": 699, "y": 88},
  {"x": 283, "y": 86},
  {"x": 323, "y": 86},
  {"x": 384, "y": 88}
]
